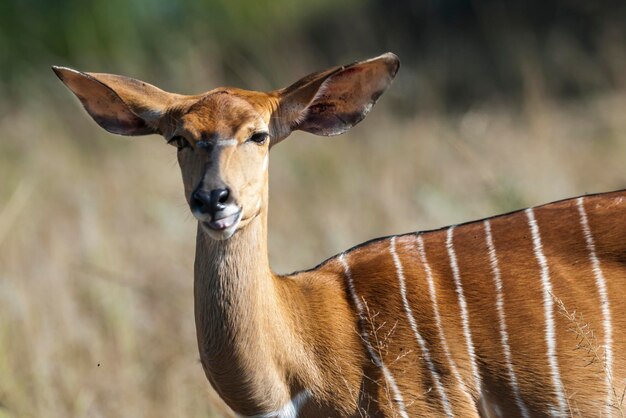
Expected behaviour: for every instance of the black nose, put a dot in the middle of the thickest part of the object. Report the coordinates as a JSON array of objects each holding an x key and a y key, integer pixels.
[{"x": 211, "y": 202}]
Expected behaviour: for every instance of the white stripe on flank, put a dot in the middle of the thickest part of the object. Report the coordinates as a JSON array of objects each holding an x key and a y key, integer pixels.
[
  {"x": 463, "y": 306},
  {"x": 548, "y": 305},
  {"x": 433, "y": 298},
  {"x": 422, "y": 343},
  {"x": 504, "y": 335},
  {"x": 604, "y": 303},
  {"x": 226, "y": 142},
  {"x": 378, "y": 362}
]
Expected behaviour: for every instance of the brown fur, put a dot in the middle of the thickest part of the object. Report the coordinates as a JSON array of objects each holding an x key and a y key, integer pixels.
[{"x": 265, "y": 338}]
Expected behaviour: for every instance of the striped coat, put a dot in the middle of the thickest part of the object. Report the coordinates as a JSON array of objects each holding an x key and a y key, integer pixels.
[{"x": 499, "y": 317}]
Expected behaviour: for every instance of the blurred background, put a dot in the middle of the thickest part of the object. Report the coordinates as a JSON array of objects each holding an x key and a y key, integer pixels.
[{"x": 499, "y": 105}]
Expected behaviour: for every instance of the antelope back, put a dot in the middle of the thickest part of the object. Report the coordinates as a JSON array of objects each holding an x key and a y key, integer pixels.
[{"x": 517, "y": 315}]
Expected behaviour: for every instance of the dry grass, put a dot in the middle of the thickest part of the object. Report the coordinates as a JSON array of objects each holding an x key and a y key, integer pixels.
[
  {"x": 96, "y": 243},
  {"x": 594, "y": 355}
]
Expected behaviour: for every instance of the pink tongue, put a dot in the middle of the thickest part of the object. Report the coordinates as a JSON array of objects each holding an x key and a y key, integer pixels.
[{"x": 222, "y": 223}]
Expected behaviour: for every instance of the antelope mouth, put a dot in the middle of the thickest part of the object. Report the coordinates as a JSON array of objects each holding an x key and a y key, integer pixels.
[
  {"x": 222, "y": 228},
  {"x": 224, "y": 223}
]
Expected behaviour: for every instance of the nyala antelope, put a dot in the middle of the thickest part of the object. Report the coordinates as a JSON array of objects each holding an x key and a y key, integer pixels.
[{"x": 465, "y": 321}]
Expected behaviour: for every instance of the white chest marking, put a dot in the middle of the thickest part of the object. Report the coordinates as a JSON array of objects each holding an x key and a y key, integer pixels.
[{"x": 290, "y": 410}]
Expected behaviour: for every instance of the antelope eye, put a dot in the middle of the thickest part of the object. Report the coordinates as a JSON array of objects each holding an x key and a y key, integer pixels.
[
  {"x": 259, "y": 137},
  {"x": 179, "y": 142}
]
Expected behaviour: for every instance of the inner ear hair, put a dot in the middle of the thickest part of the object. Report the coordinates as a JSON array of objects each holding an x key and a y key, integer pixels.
[{"x": 332, "y": 101}]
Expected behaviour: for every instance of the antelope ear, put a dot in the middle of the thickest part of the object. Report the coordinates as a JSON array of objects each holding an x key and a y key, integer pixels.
[
  {"x": 332, "y": 101},
  {"x": 121, "y": 105}
]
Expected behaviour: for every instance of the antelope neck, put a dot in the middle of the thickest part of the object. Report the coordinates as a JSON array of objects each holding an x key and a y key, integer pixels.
[{"x": 241, "y": 323}]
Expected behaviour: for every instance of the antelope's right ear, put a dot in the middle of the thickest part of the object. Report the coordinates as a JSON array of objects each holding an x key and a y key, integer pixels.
[{"x": 121, "y": 105}]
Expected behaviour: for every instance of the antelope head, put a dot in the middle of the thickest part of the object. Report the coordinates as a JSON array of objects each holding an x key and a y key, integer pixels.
[{"x": 223, "y": 136}]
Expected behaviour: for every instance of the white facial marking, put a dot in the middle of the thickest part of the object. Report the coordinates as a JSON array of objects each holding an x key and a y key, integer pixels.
[
  {"x": 290, "y": 410},
  {"x": 463, "y": 306},
  {"x": 548, "y": 306},
  {"x": 266, "y": 161},
  {"x": 226, "y": 143},
  {"x": 604, "y": 305},
  {"x": 397, "y": 396},
  {"x": 504, "y": 335},
  {"x": 420, "y": 340},
  {"x": 433, "y": 298}
]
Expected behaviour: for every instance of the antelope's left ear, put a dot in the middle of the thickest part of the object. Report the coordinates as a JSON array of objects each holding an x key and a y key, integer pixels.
[{"x": 332, "y": 101}]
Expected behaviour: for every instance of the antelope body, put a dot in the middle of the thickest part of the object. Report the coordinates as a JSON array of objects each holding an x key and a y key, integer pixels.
[{"x": 466, "y": 321}]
